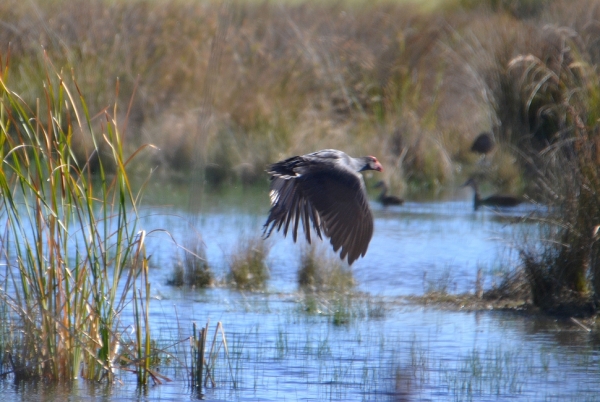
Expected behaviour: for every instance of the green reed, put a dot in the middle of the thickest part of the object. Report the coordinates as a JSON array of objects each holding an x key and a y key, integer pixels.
[
  {"x": 75, "y": 258},
  {"x": 204, "y": 359}
]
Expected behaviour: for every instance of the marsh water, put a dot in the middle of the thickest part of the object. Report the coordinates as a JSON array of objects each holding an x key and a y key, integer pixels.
[{"x": 286, "y": 346}]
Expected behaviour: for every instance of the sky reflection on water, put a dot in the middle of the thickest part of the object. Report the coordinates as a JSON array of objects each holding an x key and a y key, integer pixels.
[{"x": 388, "y": 350}]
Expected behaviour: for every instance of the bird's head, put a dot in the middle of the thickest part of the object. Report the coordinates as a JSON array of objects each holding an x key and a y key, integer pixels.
[{"x": 371, "y": 163}]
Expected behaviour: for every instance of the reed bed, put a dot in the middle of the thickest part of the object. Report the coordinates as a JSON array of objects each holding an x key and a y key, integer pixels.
[
  {"x": 225, "y": 88},
  {"x": 557, "y": 91},
  {"x": 76, "y": 271}
]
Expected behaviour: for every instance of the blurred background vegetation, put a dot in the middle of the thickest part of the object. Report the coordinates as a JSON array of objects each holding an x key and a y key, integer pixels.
[{"x": 224, "y": 88}]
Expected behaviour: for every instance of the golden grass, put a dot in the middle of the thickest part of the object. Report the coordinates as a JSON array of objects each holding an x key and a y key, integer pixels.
[
  {"x": 229, "y": 87},
  {"x": 76, "y": 258},
  {"x": 225, "y": 88}
]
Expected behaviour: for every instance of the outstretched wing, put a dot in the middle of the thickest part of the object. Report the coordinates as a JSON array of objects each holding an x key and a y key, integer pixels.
[{"x": 329, "y": 196}]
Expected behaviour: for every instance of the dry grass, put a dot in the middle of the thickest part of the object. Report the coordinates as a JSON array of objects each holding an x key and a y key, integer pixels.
[
  {"x": 230, "y": 87},
  {"x": 224, "y": 89}
]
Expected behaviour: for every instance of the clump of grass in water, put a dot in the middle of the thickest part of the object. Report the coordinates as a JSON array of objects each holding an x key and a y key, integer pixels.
[
  {"x": 320, "y": 272},
  {"x": 75, "y": 256},
  {"x": 564, "y": 272},
  {"x": 328, "y": 286},
  {"x": 442, "y": 285},
  {"x": 349, "y": 308},
  {"x": 342, "y": 309},
  {"x": 177, "y": 277},
  {"x": 193, "y": 270},
  {"x": 248, "y": 269}
]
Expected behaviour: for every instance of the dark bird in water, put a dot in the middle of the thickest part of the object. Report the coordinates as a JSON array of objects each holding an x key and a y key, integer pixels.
[
  {"x": 385, "y": 199},
  {"x": 324, "y": 189},
  {"x": 483, "y": 144},
  {"x": 496, "y": 200}
]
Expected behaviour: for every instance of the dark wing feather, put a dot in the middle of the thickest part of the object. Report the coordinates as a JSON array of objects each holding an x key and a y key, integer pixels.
[
  {"x": 327, "y": 193},
  {"x": 288, "y": 204},
  {"x": 343, "y": 207}
]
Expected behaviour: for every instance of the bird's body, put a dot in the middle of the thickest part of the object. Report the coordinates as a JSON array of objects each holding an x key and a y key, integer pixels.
[
  {"x": 496, "y": 200},
  {"x": 386, "y": 199},
  {"x": 483, "y": 144},
  {"x": 325, "y": 189}
]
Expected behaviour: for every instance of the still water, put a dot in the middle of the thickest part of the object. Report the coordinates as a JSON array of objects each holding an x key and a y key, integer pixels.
[{"x": 285, "y": 346}]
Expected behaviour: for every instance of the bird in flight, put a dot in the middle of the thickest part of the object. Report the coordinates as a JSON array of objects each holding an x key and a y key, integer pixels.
[{"x": 325, "y": 189}]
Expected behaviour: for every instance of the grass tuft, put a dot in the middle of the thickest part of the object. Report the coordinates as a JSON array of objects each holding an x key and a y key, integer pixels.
[
  {"x": 248, "y": 269},
  {"x": 563, "y": 93},
  {"x": 75, "y": 257},
  {"x": 193, "y": 269},
  {"x": 320, "y": 271}
]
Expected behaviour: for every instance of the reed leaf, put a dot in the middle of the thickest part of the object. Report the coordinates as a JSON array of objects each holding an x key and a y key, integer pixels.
[{"x": 73, "y": 248}]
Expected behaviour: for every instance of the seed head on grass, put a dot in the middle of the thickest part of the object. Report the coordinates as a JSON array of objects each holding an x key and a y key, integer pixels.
[{"x": 247, "y": 265}]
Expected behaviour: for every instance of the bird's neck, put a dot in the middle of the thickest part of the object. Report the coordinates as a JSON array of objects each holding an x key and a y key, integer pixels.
[{"x": 476, "y": 199}]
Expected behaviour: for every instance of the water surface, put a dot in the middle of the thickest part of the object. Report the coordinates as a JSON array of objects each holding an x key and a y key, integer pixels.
[{"x": 286, "y": 346}]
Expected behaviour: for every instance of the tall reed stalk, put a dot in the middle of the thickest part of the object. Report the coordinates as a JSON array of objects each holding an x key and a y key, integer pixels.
[{"x": 75, "y": 258}]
